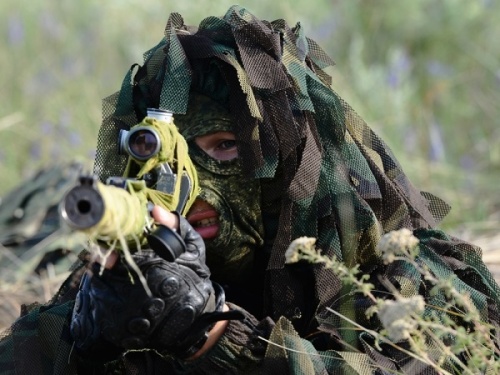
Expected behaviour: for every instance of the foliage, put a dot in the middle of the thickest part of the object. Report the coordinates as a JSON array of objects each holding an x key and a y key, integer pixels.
[{"x": 448, "y": 345}]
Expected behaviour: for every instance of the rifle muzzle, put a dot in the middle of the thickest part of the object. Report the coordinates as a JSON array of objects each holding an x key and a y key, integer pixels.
[{"x": 83, "y": 206}]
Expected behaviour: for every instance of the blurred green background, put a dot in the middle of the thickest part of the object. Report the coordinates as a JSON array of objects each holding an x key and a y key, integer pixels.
[{"x": 424, "y": 74}]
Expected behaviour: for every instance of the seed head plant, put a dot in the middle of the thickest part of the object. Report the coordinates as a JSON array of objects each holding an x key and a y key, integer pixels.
[{"x": 454, "y": 339}]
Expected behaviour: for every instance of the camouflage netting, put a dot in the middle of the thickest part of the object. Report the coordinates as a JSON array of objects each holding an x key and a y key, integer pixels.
[{"x": 323, "y": 173}]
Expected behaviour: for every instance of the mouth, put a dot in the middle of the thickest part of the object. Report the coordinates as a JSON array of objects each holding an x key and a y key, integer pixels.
[{"x": 204, "y": 219}]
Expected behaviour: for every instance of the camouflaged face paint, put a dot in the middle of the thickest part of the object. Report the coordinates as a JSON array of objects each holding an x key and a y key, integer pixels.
[
  {"x": 204, "y": 116},
  {"x": 236, "y": 198},
  {"x": 223, "y": 185}
]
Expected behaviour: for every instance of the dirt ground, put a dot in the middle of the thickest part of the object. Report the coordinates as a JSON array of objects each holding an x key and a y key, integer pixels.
[
  {"x": 490, "y": 245},
  {"x": 491, "y": 255}
]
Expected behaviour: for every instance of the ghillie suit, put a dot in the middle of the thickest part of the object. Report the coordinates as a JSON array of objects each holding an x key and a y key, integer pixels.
[{"x": 319, "y": 171}]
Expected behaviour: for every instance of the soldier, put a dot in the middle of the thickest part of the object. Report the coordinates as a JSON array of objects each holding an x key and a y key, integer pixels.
[{"x": 279, "y": 155}]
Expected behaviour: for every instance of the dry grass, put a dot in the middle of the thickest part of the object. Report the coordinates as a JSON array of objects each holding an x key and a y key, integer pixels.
[
  {"x": 18, "y": 287},
  {"x": 35, "y": 288}
]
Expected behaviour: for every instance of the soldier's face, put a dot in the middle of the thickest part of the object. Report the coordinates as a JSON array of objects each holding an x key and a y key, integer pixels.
[{"x": 227, "y": 212}]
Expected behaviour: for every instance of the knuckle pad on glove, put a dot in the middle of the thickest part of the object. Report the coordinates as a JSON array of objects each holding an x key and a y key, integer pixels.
[{"x": 111, "y": 308}]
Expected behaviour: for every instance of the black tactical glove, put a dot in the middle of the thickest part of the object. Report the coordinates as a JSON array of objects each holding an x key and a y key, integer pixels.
[{"x": 183, "y": 307}]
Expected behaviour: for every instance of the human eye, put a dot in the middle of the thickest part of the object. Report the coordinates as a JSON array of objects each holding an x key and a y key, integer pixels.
[
  {"x": 219, "y": 145},
  {"x": 226, "y": 144}
]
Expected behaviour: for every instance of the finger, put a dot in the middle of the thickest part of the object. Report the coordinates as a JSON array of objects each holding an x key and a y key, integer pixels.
[
  {"x": 165, "y": 217},
  {"x": 106, "y": 258},
  {"x": 111, "y": 260}
]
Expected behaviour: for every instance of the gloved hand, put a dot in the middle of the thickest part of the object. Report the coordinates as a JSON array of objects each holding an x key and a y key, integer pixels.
[{"x": 183, "y": 307}]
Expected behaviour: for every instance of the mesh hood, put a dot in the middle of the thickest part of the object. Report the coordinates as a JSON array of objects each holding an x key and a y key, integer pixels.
[{"x": 328, "y": 175}]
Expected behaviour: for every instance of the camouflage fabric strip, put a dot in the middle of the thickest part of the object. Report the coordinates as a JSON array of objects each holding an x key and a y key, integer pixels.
[{"x": 39, "y": 343}]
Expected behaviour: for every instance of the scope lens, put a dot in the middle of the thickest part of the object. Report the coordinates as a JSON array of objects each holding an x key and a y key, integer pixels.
[{"x": 143, "y": 144}]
